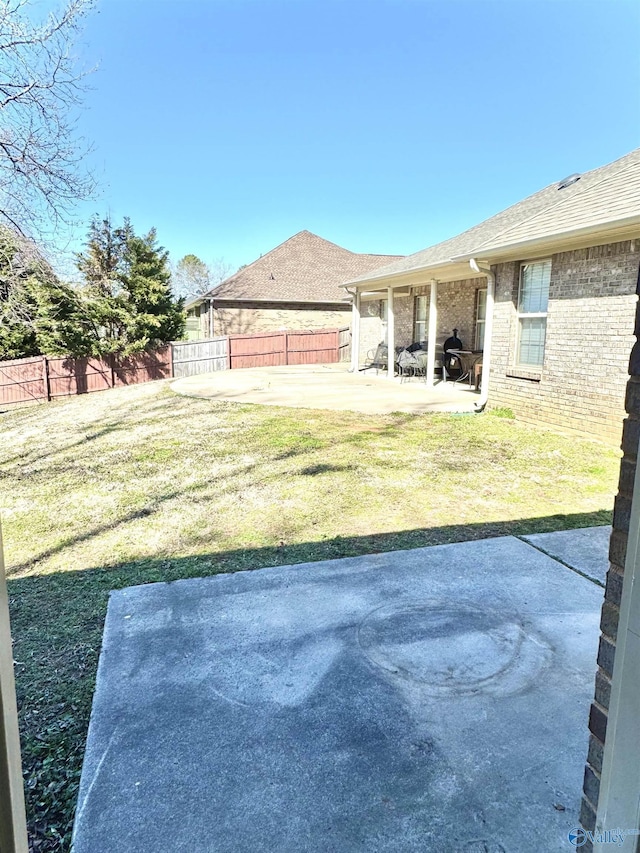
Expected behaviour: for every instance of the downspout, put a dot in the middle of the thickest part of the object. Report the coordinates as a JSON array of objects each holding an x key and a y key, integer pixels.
[{"x": 488, "y": 330}]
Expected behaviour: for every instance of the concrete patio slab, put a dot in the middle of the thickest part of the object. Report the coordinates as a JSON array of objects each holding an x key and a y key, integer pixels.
[
  {"x": 585, "y": 550},
  {"x": 328, "y": 386},
  {"x": 427, "y": 700}
]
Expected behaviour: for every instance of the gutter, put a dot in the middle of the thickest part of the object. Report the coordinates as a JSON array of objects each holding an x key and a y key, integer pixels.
[{"x": 488, "y": 330}]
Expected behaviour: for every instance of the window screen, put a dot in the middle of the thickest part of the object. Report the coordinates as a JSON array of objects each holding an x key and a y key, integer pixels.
[
  {"x": 533, "y": 300},
  {"x": 421, "y": 321}
]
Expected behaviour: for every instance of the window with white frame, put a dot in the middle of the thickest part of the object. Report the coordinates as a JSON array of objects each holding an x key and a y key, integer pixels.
[
  {"x": 533, "y": 299},
  {"x": 481, "y": 317},
  {"x": 421, "y": 313}
]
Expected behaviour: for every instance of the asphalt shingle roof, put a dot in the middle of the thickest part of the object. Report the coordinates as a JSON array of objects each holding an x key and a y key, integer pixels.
[
  {"x": 607, "y": 195},
  {"x": 305, "y": 268},
  {"x": 601, "y": 196}
]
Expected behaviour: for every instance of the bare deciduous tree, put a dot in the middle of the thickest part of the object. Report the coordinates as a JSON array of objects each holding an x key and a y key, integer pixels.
[
  {"x": 219, "y": 269},
  {"x": 41, "y": 172},
  {"x": 193, "y": 277}
]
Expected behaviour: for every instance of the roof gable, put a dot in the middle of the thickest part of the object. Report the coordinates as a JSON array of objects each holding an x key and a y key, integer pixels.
[{"x": 305, "y": 268}]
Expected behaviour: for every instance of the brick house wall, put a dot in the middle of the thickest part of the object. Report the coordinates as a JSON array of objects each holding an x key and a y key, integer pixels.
[
  {"x": 246, "y": 318},
  {"x": 371, "y": 331},
  {"x": 613, "y": 591},
  {"x": 372, "y": 327},
  {"x": 581, "y": 384},
  {"x": 456, "y": 308}
]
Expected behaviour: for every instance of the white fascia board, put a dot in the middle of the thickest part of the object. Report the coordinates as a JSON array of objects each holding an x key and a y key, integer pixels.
[
  {"x": 444, "y": 271},
  {"x": 382, "y": 282}
]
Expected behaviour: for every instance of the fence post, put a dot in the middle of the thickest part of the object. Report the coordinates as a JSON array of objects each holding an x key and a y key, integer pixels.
[
  {"x": 13, "y": 824},
  {"x": 45, "y": 378},
  {"x": 112, "y": 361},
  {"x": 228, "y": 340},
  {"x": 285, "y": 342}
]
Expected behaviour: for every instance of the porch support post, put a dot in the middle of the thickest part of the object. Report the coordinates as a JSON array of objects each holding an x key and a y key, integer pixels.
[
  {"x": 391, "y": 335},
  {"x": 432, "y": 334},
  {"x": 355, "y": 332}
]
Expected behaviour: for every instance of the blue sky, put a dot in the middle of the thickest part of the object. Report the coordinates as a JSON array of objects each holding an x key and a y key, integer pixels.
[{"x": 384, "y": 125}]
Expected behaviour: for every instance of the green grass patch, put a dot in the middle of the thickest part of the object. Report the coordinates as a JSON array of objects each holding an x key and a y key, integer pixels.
[
  {"x": 138, "y": 485},
  {"x": 502, "y": 412}
]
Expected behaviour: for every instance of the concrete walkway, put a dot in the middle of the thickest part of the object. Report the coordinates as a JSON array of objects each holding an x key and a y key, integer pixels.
[
  {"x": 328, "y": 386},
  {"x": 432, "y": 700},
  {"x": 585, "y": 550}
]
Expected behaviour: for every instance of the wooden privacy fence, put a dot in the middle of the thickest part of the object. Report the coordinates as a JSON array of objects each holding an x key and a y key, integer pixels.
[
  {"x": 44, "y": 377},
  {"x": 344, "y": 344},
  {"x": 193, "y": 357},
  {"x": 277, "y": 348},
  {"x": 265, "y": 349}
]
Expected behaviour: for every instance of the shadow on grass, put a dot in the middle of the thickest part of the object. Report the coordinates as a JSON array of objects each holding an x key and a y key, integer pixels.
[{"x": 57, "y": 623}]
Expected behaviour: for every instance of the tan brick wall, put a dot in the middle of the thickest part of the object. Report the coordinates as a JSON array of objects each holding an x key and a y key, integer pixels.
[
  {"x": 404, "y": 317},
  {"x": 252, "y": 318},
  {"x": 204, "y": 321},
  {"x": 371, "y": 326},
  {"x": 456, "y": 308},
  {"x": 371, "y": 333},
  {"x": 590, "y": 323}
]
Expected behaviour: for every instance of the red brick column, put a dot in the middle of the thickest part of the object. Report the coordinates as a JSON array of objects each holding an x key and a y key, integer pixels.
[{"x": 613, "y": 591}]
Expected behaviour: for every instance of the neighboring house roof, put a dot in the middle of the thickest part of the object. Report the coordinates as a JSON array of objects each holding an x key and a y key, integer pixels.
[
  {"x": 191, "y": 302},
  {"x": 601, "y": 199},
  {"x": 305, "y": 268}
]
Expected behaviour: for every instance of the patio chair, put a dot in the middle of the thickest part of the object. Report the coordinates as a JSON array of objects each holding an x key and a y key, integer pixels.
[
  {"x": 408, "y": 364},
  {"x": 468, "y": 361},
  {"x": 378, "y": 358}
]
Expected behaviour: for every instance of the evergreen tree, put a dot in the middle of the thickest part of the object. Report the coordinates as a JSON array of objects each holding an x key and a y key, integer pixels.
[
  {"x": 127, "y": 285},
  {"x": 102, "y": 265},
  {"x": 38, "y": 313},
  {"x": 155, "y": 316},
  {"x": 63, "y": 321}
]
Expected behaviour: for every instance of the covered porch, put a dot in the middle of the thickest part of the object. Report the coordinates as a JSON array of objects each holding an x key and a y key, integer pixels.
[{"x": 422, "y": 308}]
